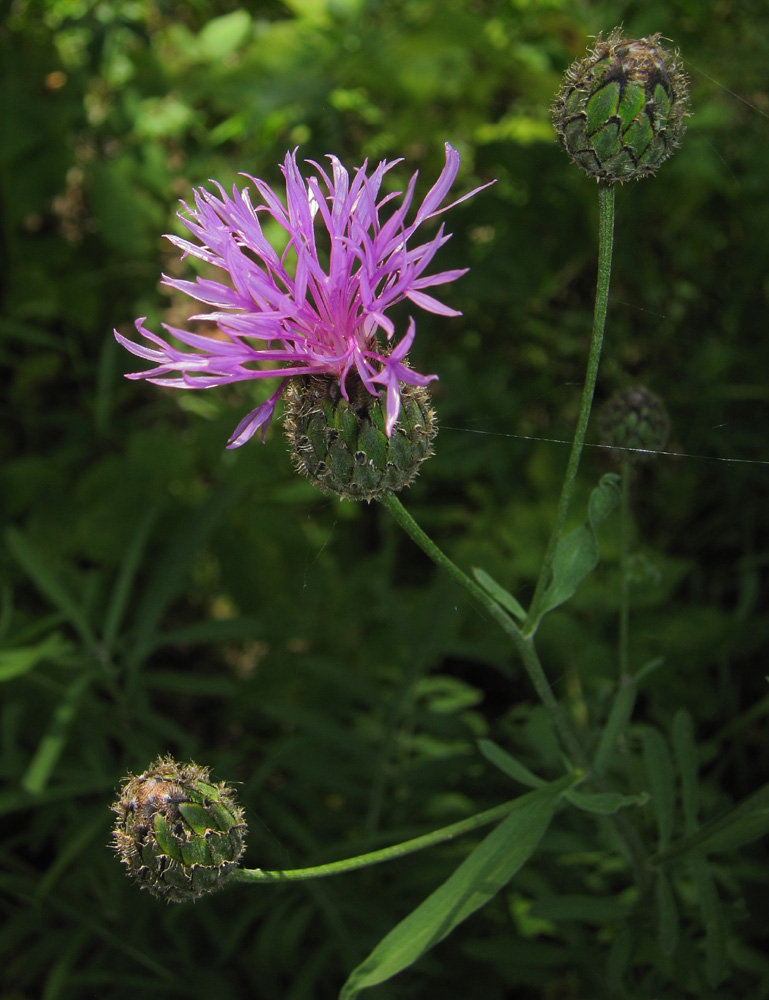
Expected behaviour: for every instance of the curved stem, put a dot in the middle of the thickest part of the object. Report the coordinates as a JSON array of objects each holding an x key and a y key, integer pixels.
[
  {"x": 524, "y": 645},
  {"x": 605, "y": 247},
  {"x": 375, "y": 857}
]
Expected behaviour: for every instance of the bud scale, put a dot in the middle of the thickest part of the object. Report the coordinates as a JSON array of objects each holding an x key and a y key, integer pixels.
[
  {"x": 341, "y": 444},
  {"x": 178, "y": 833},
  {"x": 634, "y": 418},
  {"x": 620, "y": 112}
]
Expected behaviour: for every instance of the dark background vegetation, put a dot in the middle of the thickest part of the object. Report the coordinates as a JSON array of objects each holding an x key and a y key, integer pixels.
[{"x": 161, "y": 594}]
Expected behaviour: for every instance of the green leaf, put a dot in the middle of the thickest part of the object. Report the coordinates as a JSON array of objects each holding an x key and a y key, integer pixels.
[
  {"x": 667, "y": 915},
  {"x": 688, "y": 767},
  {"x": 211, "y": 630},
  {"x": 480, "y": 876},
  {"x": 584, "y": 909},
  {"x": 716, "y": 965},
  {"x": 50, "y": 748},
  {"x": 605, "y": 803},
  {"x": 223, "y": 35},
  {"x": 659, "y": 772},
  {"x": 577, "y": 553},
  {"x": 81, "y": 838},
  {"x": 15, "y": 662},
  {"x": 503, "y": 597},
  {"x": 172, "y": 565},
  {"x": 616, "y": 724},
  {"x": 745, "y": 823},
  {"x": 508, "y": 765},
  {"x": 649, "y": 667},
  {"x": 204, "y": 686},
  {"x": 618, "y": 961},
  {"x": 121, "y": 593},
  {"x": 48, "y": 584}
]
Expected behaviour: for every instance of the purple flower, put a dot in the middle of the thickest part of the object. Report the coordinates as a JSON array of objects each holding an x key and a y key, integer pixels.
[{"x": 315, "y": 307}]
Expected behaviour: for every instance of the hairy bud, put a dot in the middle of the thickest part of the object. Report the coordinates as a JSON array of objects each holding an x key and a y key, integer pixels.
[
  {"x": 178, "y": 833},
  {"x": 634, "y": 418},
  {"x": 620, "y": 112},
  {"x": 341, "y": 444}
]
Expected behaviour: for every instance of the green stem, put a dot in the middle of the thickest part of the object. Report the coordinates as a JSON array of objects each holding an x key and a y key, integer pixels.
[
  {"x": 375, "y": 857},
  {"x": 624, "y": 608},
  {"x": 524, "y": 645},
  {"x": 605, "y": 246}
]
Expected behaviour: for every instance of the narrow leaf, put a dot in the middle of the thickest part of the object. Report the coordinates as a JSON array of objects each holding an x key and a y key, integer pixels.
[
  {"x": 503, "y": 597},
  {"x": 667, "y": 915},
  {"x": 746, "y": 822},
  {"x": 15, "y": 662},
  {"x": 211, "y": 630},
  {"x": 659, "y": 772},
  {"x": 713, "y": 918},
  {"x": 688, "y": 767},
  {"x": 172, "y": 566},
  {"x": 619, "y": 960},
  {"x": 480, "y": 876},
  {"x": 508, "y": 765},
  {"x": 605, "y": 803},
  {"x": 653, "y": 664},
  {"x": 121, "y": 592},
  {"x": 584, "y": 909},
  {"x": 52, "y": 744},
  {"x": 48, "y": 584},
  {"x": 619, "y": 716}
]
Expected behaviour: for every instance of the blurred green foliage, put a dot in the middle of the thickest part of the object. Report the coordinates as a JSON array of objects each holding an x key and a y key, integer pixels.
[{"x": 160, "y": 594}]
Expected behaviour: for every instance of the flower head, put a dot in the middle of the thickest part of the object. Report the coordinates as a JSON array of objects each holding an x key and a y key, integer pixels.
[
  {"x": 318, "y": 307},
  {"x": 636, "y": 421},
  {"x": 621, "y": 110},
  {"x": 178, "y": 833}
]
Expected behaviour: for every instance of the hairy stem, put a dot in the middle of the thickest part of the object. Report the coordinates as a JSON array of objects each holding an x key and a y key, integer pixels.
[{"x": 605, "y": 247}]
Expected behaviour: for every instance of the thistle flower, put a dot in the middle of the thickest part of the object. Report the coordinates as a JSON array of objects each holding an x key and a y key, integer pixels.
[
  {"x": 620, "y": 112},
  {"x": 318, "y": 308},
  {"x": 178, "y": 833}
]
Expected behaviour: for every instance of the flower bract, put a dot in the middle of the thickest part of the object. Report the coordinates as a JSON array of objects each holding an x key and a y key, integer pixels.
[{"x": 316, "y": 306}]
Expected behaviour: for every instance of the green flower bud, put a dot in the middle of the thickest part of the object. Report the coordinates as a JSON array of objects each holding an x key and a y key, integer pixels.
[
  {"x": 634, "y": 419},
  {"x": 178, "y": 833},
  {"x": 342, "y": 445},
  {"x": 620, "y": 112}
]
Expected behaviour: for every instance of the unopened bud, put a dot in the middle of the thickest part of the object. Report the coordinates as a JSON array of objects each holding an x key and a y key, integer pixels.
[
  {"x": 620, "y": 112},
  {"x": 634, "y": 419},
  {"x": 341, "y": 444},
  {"x": 178, "y": 833}
]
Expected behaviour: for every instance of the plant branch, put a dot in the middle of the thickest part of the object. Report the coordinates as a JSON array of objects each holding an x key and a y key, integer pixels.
[
  {"x": 523, "y": 645},
  {"x": 605, "y": 247},
  {"x": 376, "y": 857}
]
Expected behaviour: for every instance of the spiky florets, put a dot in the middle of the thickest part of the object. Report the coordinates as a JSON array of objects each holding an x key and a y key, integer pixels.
[
  {"x": 620, "y": 112},
  {"x": 178, "y": 833},
  {"x": 341, "y": 444}
]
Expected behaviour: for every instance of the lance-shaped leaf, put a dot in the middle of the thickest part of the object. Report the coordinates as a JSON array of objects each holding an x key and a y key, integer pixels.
[
  {"x": 659, "y": 773},
  {"x": 603, "y": 803},
  {"x": 577, "y": 553},
  {"x": 480, "y": 877},
  {"x": 746, "y": 822},
  {"x": 503, "y": 597}
]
